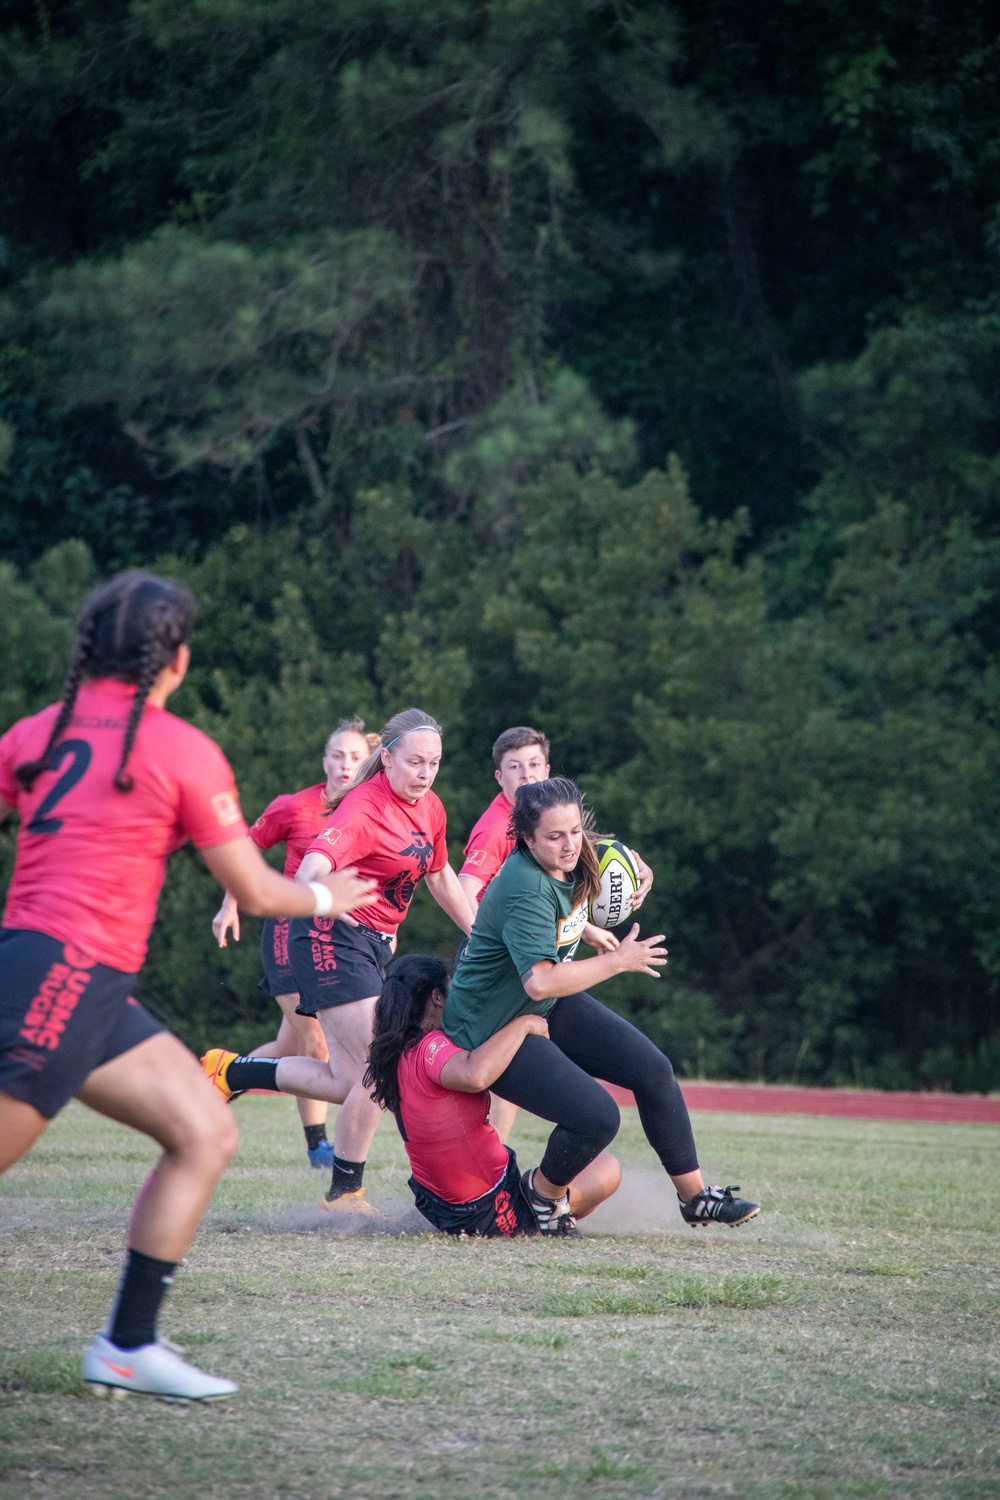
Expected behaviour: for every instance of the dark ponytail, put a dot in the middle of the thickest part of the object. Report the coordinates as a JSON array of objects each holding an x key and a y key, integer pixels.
[
  {"x": 399, "y": 1011},
  {"x": 130, "y": 629},
  {"x": 534, "y": 798}
]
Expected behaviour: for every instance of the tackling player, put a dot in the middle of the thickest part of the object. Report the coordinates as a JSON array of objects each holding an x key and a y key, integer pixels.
[
  {"x": 107, "y": 785},
  {"x": 516, "y": 964},
  {"x": 391, "y": 826},
  {"x": 464, "y": 1179},
  {"x": 295, "y": 819}
]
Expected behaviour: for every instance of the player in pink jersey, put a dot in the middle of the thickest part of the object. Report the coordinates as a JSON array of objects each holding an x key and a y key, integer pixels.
[
  {"x": 521, "y": 755},
  {"x": 295, "y": 819},
  {"x": 465, "y": 1180},
  {"x": 391, "y": 826},
  {"x": 107, "y": 785}
]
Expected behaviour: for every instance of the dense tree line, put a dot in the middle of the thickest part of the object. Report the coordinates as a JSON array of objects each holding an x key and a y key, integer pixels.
[{"x": 629, "y": 368}]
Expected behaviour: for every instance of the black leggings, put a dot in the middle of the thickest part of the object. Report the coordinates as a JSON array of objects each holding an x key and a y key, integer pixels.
[{"x": 554, "y": 1077}]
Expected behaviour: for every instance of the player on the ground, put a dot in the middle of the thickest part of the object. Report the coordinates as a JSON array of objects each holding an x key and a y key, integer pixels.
[
  {"x": 391, "y": 826},
  {"x": 295, "y": 819},
  {"x": 528, "y": 926},
  {"x": 521, "y": 755},
  {"x": 465, "y": 1180},
  {"x": 107, "y": 785}
]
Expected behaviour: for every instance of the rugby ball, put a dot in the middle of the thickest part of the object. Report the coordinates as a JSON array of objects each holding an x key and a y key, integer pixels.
[{"x": 619, "y": 883}]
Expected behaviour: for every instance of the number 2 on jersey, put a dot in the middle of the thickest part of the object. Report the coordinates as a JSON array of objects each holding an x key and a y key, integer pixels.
[{"x": 80, "y": 754}]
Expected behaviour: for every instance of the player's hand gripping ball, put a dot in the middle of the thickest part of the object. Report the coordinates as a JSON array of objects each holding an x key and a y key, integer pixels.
[{"x": 619, "y": 883}]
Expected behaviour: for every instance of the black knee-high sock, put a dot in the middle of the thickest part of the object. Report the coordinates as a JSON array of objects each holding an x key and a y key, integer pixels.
[
  {"x": 253, "y": 1073},
  {"x": 140, "y": 1292},
  {"x": 314, "y": 1134},
  {"x": 347, "y": 1176}
]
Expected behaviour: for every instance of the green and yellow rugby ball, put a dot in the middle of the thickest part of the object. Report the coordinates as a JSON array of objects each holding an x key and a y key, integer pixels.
[{"x": 619, "y": 883}]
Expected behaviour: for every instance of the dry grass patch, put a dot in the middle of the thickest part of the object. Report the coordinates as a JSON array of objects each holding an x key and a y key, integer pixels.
[{"x": 842, "y": 1345}]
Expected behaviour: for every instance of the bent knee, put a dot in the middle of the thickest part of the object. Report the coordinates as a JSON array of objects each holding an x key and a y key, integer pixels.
[
  {"x": 314, "y": 1045},
  {"x": 210, "y": 1135},
  {"x": 606, "y": 1119},
  {"x": 655, "y": 1074},
  {"x": 610, "y": 1169},
  {"x": 227, "y": 1138},
  {"x": 348, "y": 1070}
]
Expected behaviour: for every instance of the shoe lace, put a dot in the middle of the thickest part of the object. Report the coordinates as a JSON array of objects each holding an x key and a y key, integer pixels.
[{"x": 549, "y": 1209}]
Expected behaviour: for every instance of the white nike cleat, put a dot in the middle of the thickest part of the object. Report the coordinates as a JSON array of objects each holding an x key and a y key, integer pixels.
[{"x": 150, "y": 1370}]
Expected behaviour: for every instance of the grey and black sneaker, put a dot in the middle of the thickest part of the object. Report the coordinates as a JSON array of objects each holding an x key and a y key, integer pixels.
[
  {"x": 552, "y": 1215},
  {"x": 718, "y": 1204}
]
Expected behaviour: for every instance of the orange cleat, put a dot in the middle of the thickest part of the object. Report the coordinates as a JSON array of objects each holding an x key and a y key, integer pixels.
[
  {"x": 351, "y": 1203},
  {"x": 215, "y": 1065}
]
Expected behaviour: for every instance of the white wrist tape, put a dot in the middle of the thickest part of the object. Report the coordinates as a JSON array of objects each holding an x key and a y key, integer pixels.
[{"x": 324, "y": 901}]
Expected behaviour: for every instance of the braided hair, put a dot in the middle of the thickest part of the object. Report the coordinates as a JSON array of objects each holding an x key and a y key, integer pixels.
[
  {"x": 534, "y": 798},
  {"x": 399, "y": 1011},
  {"x": 130, "y": 629}
]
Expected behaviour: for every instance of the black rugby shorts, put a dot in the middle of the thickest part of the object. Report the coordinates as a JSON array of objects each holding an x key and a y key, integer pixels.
[
  {"x": 62, "y": 1015},
  {"x": 278, "y": 977},
  {"x": 335, "y": 964},
  {"x": 501, "y": 1213}
]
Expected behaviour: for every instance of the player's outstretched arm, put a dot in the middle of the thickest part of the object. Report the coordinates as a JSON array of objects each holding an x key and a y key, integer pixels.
[
  {"x": 444, "y": 886},
  {"x": 634, "y": 955},
  {"x": 472, "y": 1072},
  {"x": 228, "y": 916},
  {"x": 261, "y": 891}
]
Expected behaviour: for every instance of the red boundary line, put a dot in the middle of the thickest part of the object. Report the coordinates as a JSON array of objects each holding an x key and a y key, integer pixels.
[{"x": 854, "y": 1104}]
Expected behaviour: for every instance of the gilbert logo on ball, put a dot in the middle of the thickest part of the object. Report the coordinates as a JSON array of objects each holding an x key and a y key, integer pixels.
[{"x": 619, "y": 883}]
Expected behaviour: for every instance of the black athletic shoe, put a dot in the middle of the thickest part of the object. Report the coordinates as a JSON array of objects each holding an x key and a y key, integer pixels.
[
  {"x": 552, "y": 1215},
  {"x": 718, "y": 1204}
]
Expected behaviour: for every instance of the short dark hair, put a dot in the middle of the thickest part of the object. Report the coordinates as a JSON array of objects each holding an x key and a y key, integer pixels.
[{"x": 517, "y": 739}]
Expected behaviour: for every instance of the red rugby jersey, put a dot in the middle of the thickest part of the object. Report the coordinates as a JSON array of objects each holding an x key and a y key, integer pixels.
[
  {"x": 91, "y": 860},
  {"x": 489, "y": 844},
  {"x": 389, "y": 840},
  {"x": 453, "y": 1149},
  {"x": 294, "y": 818}
]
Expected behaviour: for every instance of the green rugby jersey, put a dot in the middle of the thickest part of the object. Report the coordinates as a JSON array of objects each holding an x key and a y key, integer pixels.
[{"x": 526, "y": 917}]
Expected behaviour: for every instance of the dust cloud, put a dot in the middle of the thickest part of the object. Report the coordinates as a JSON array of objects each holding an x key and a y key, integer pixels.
[{"x": 646, "y": 1203}]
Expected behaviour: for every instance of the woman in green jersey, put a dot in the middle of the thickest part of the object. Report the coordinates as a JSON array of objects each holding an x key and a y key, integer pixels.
[{"x": 528, "y": 927}]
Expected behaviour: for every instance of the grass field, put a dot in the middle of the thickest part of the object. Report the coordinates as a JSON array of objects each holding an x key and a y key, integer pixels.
[{"x": 847, "y": 1344}]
